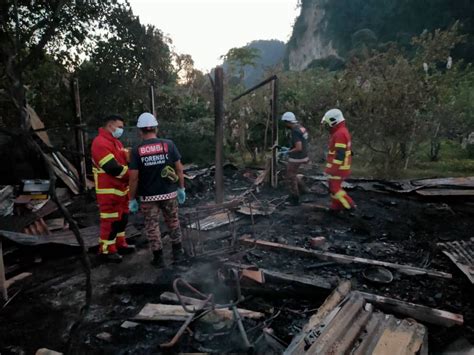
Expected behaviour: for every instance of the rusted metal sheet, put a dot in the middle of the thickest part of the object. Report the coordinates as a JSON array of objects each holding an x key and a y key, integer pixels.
[
  {"x": 462, "y": 254},
  {"x": 354, "y": 326}
]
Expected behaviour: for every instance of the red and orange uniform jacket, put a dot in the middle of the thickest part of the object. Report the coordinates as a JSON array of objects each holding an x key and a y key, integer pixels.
[
  {"x": 110, "y": 170},
  {"x": 339, "y": 157}
]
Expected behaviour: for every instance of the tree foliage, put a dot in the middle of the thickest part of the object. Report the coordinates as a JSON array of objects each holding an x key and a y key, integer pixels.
[
  {"x": 270, "y": 56},
  {"x": 31, "y": 29},
  {"x": 122, "y": 67},
  {"x": 396, "y": 100},
  {"x": 240, "y": 58}
]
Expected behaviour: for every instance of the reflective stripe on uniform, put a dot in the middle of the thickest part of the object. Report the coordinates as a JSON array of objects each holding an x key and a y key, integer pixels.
[
  {"x": 124, "y": 171},
  {"x": 106, "y": 159},
  {"x": 105, "y": 215},
  {"x": 328, "y": 165},
  {"x": 340, "y": 145},
  {"x": 98, "y": 171},
  {"x": 341, "y": 197},
  {"x": 121, "y": 234},
  {"x": 111, "y": 192},
  {"x": 107, "y": 242},
  {"x": 337, "y": 162},
  {"x": 105, "y": 245},
  {"x": 332, "y": 177},
  {"x": 346, "y": 165}
]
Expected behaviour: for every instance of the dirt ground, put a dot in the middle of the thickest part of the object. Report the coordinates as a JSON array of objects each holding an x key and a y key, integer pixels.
[{"x": 403, "y": 229}]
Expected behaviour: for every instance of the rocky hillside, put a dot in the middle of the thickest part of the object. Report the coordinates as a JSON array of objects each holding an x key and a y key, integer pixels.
[
  {"x": 270, "y": 55},
  {"x": 329, "y": 31}
]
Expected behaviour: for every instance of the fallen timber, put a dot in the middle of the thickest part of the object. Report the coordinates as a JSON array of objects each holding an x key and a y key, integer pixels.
[{"x": 344, "y": 259}]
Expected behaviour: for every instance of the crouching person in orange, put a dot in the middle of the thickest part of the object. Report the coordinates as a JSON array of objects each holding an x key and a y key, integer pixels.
[
  {"x": 339, "y": 159},
  {"x": 110, "y": 170}
]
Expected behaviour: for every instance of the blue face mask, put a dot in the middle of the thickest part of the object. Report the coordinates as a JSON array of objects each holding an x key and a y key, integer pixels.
[{"x": 118, "y": 132}]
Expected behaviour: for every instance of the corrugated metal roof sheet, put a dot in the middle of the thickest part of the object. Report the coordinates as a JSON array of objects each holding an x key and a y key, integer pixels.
[
  {"x": 355, "y": 327},
  {"x": 453, "y": 182},
  {"x": 462, "y": 254}
]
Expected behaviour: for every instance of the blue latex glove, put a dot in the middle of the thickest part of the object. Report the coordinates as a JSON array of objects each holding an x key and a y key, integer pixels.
[
  {"x": 181, "y": 195},
  {"x": 133, "y": 206},
  {"x": 284, "y": 151}
]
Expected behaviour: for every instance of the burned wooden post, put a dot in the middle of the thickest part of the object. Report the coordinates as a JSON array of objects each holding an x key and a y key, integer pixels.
[
  {"x": 274, "y": 169},
  {"x": 152, "y": 100},
  {"x": 219, "y": 132},
  {"x": 3, "y": 286},
  {"x": 80, "y": 140},
  {"x": 273, "y": 113}
]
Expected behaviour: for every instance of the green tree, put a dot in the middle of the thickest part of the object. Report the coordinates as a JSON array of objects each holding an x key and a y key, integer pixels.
[
  {"x": 121, "y": 68},
  {"x": 239, "y": 58},
  {"x": 397, "y": 101},
  {"x": 30, "y": 29}
]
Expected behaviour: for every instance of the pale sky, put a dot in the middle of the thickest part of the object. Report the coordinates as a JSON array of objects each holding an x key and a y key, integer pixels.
[{"x": 207, "y": 29}]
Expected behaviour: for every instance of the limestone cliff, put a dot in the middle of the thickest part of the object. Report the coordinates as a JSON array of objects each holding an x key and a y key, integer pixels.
[
  {"x": 309, "y": 41},
  {"x": 327, "y": 32}
]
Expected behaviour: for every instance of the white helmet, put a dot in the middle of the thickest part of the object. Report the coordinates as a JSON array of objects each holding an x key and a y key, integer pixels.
[
  {"x": 333, "y": 117},
  {"x": 146, "y": 119},
  {"x": 289, "y": 117}
]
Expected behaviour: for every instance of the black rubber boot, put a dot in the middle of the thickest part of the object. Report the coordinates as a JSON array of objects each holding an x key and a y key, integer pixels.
[
  {"x": 178, "y": 252},
  {"x": 125, "y": 250},
  {"x": 293, "y": 200},
  {"x": 110, "y": 258},
  {"x": 158, "y": 259}
]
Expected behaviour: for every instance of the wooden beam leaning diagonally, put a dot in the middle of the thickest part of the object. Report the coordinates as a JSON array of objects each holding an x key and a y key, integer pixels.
[
  {"x": 345, "y": 259},
  {"x": 17, "y": 278},
  {"x": 337, "y": 295}
]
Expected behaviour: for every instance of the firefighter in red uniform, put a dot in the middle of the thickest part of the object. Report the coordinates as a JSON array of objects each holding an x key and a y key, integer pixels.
[
  {"x": 339, "y": 159},
  {"x": 110, "y": 170}
]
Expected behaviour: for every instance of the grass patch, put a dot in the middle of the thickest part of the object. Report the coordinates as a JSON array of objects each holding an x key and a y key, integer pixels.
[{"x": 453, "y": 162}]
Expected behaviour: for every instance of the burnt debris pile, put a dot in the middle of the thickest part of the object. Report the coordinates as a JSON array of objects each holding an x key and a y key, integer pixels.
[{"x": 260, "y": 276}]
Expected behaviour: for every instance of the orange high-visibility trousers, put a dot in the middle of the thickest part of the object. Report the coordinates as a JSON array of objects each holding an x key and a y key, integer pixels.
[
  {"x": 113, "y": 220},
  {"x": 339, "y": 197}
]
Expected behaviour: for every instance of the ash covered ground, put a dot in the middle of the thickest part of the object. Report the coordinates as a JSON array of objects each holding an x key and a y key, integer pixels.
[{"x": 398, "y": 228}]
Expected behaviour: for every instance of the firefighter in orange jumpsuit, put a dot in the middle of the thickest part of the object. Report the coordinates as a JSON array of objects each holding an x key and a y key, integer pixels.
[
  {"x": 339, "y": 159},
  {"x": 110, "y": 168}
]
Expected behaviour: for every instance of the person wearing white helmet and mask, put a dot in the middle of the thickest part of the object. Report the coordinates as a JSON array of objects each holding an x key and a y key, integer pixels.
[
  {"x": 297, "y": 154},
  {"x": 339, "y": 159},
  {"x": 156, "y": 177},
  {"x": 109, "y": 159}
]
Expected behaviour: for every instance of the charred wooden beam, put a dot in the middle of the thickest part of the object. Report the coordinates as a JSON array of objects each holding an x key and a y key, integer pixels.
[
  {"x": 80, "y": 139},
  {"x": 3, "y": 286},
  {"x": 344, "y": 259},
  {"x": 274, "y": 168},
  {"x": 219, "y": 132},
  {"x": 415, "y": 311},
  {"x": 313, "y": 281},
  {"x": 253, "y": 88}
]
